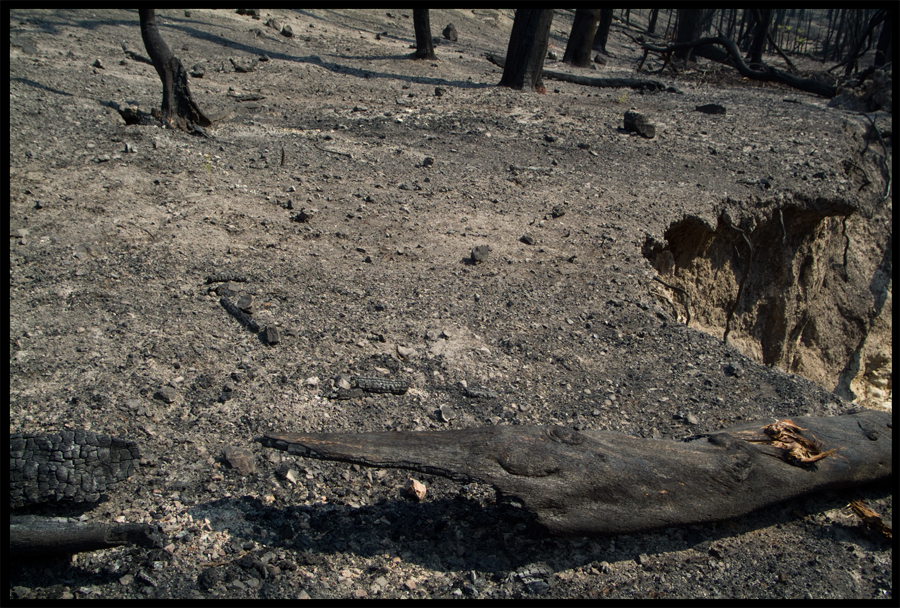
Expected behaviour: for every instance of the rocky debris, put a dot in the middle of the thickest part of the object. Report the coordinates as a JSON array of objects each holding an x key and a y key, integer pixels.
[
  {"x": 287, "y": 31},
  {"x": 197, "y": 71},
  {"x": 527, "y": 239},
  {"x": 271, "y": 335},
  {"x": 638, "y": 123},
  {"x": 167, "y": 394}
]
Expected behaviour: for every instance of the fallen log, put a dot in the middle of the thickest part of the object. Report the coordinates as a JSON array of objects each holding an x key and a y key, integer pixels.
[
  {"x": 30, "y": 535},
  {"x": 605, "y": 483},
  {"x": 630, "y": 83},
  {"x": 808, "y": 85}
]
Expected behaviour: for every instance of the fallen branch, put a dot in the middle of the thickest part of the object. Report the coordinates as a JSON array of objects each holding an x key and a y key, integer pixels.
[
  {"x": 32, "y": 535},
  {"x": 807, "y": 85},
  {"x": 630, "y": 83},
  {"x": 603, "y": 483}
]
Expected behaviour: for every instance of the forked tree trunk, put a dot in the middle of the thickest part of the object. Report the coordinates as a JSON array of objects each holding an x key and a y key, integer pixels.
[
  {"x": 527, "y": 49},
  {"x": 178, "y": 108},
  {"x": 422, "y": 26}
]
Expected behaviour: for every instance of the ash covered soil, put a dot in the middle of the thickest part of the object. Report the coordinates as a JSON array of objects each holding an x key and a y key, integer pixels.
[{"x": 114, "y": 327}]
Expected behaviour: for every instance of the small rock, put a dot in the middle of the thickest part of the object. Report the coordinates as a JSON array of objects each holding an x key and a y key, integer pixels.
[
  {"x": 638, "y": 123},
  {"x": 447, "y": 413},
  {"x": 312, "y": 381},
  {"x": 439, "y": 91},
  {"x": 480, "y": 254},
  {"x": 550, "y": 138},
  {"x": 692, "y": 419},
  {"x": 245, "y": 303},
  {"x": 557, "y": 211},
  {"x": 126, "y": 580},
  {"x": 600, "y": 59},
  {"x": 305, "y": 215},
  {"x": 240, "y": 459},
  {"x": 450, "y": 33},
  {"x": 274, "y": 24},
  {"x": 415, "y": 489},
  {"x": 197, "y": 71},
  {"x": 97, "y": 64},
  {"x": 428, "y": 161},
  {"x": 342, "y": 382},
  {"x": 405, "y": 351},
  {"x": 167, "y": 394},
  {"x": 552, "y": 56},
  {"x": 287, "y": 32},
  {"x": 271, "y": 335}
]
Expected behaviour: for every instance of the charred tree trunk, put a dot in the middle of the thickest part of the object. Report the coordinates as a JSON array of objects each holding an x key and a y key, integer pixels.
[
  {"x": 885, "y": 42},
  {"x": 178, "y": 108},
  {"x": 578, "y": 49},
  {"x": 602, "y": 34},
  {"x": 689, "y": 28},
  {"x": 651, "y": 26},
  {"x": 422, "y": 26},
  {"x": 527, "y": 50},
  {"x": 762, "y": 17}
]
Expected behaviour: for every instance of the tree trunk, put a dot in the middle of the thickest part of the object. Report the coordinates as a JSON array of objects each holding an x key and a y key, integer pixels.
[
  {"x": 689, "y": 28},
  {"x": 527, "y": 50},
  {"x": 422, "y": 26},
  {"x": 578, "y": 49},
  {"x": 885, "y": 42},
  {"x": 602, "y": 34},
  {"x": 762, "y": 17},
  {"x": 651, "y": 26},
  {"x": 178, "y": 108}
]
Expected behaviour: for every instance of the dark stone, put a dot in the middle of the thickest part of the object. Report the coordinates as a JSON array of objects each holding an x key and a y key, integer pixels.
[
  {"x": 271, "y": 335},
  {"x": 638, "y": 123},
  {"x": 450, "y": 33},
  {"x": 167, "y": 394},
  {"x": 527, "y": 239},
  {"x": 557, "y": 211},
  {"x": 287, "y": 32},
  {"x": 240, "y": 459}
]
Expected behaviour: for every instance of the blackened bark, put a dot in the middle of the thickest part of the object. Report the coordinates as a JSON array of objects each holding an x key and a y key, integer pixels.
[
  {"x": 884, "y": 46},
  {"x": 422, "y": 26},
  {"x": 578, "y": 49},
  {"x": 37, "y": 536},
  {"x": 690, "y": 26},
  {"x": 651, "y": 26},
  {"x": 527, "y": 49},
  {"x": 762, "y": 18},
  {"x": 602, "y": 34},
  {"x": 178, "y": 108},
  {"x": 601, "y": 483}
]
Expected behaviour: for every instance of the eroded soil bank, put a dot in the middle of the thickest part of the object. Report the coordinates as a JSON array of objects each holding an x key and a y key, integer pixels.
[{"x": 350, "y": 187}]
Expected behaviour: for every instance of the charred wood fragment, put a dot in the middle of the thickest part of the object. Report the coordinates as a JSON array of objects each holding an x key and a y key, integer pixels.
[{"x": 604, "y": 483}]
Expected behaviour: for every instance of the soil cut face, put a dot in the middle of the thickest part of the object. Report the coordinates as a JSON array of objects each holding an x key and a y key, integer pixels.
[{"x": 384, "y": 217}]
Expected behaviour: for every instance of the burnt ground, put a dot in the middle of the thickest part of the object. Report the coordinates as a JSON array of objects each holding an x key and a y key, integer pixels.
[{"x": 115, "y": 228}]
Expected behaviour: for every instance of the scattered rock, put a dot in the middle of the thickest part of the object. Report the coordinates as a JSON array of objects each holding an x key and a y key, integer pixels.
[
  {"x": 167, "y": 394},
  {"x": 450, "y": 33},
  {"x": 599, "y": 59},
  {"x": 638, "y": 123},
  {"x": 439, "y": 91},
  {"x": 240, "y": 459},
  {"x": 305, "y": 215},
  {"x": 271, "y": 335},
  {"x": 274, "y": 24},
  {"x": 415, "y": 489},
  {"x": 197, "y": 71},
  {"x": 245, "y": 303},
  {"x": 527, "y": 239},
  {"x": 480, "y": 254},
  {"x": 557, "y": 211},
  {"x": 446, "y": 413}
]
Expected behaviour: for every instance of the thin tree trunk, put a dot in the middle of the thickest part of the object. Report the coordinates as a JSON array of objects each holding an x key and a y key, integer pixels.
[
  {"x": 651, "y": 26},
  {"x": 885, "y": 42},
  {"x": 178, "y": 107},
  {"x": 422, "y": 27},
  {"x": 602, "y": 35}
]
